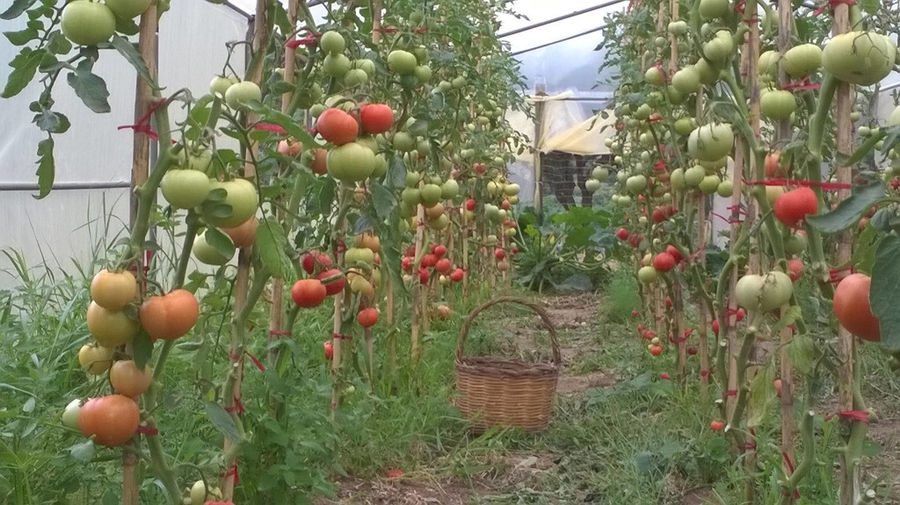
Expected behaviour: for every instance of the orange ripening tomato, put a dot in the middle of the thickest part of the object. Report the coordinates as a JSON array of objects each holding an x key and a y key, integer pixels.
[
  {"x": 169, "y": 316},
  {"x": 367, "y": 317},
  {"x": 337, "y": 127},
  {"x": 244, "y": 234},
  {"x": 853, "y": 309},
  {"x": 112, "y": 420},
  {"x": 113, "y": 290},
  {"x": 127, "y": 380}
]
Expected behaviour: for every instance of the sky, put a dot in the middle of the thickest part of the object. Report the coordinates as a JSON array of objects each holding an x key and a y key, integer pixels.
[{"x": 570, "y": 65}]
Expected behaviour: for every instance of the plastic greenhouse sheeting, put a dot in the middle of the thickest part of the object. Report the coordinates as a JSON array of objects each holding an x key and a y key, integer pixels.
[{"x": 67, "y": 223}]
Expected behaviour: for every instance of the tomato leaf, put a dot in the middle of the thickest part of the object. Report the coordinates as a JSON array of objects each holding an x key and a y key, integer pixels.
[
  {"x": 762, "y": 392},
  {"x": 215, "y": 209},
  {"x": 51, "y": 122},
  {"x": 21, "y": 38},
  {"x": 803, "y": 352},
  {"x": 362, "y": 223},
  {"x": 24, "y": 65},
  {"x": 222, "y": 421},
  {"x": 885, "y": 279},
  {"x": 219, "y": 241},
  {"x": 16, "y": 9},
  {"x": 397, "y": 172},
  {"x": 850, "y": 210},
  {"x": 46, "y": 171},
  {"x": 131, "y": 55},
  {"x": 268, "y": 115},
  {"x": 790, "y": 316},
  {"x": 90, "y": 87},
  {"x": 870, "y": 6},
  {"x": 382, "y": 199},
  {"x": 126, "y": 26},
  {"x": 83, "y": 452},
  {"x": 271, "y": 244},
  {"x": 142, "y": 348},
  {"x": 58, "y": 43}
]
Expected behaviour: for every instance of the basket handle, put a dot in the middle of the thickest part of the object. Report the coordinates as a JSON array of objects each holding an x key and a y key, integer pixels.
[{"x": 545, "y": 318}]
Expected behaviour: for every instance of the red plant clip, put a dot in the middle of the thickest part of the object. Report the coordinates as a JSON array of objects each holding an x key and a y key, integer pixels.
[
  {"x": 730, "y": 392},
  {"x": 801, "y": 84},
  {"x": 233, "y": 472},
  {"x": 826, "y": 186},
  {"x": 338, "y": 336},
  {"x": 237, "y": 407},
  {"x": 143, "y": 123},
  {"x": 704, "y": 373},
  {"x": 280, "y": 333},
  {"x": 147, "y": 430},
  {"x": 837, "y": 275},
  {"x": 256, "y": 361},
  {"x": 389, "y": 29},
  {"x": 269, "y": 127},
  {"x": 421, "y": 29}
]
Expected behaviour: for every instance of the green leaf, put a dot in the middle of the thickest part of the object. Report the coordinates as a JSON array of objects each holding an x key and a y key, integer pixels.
[
  {"x": 16, "y": 9},
  {"x": 132, "y": 56},
  {"x": 83, "y": 452},
  {"x": 271, "y": 244},
  {"x": 268, "y": 115},
  {"x": 221, "y": 242},
  {"x": 870, "y": 6},
  {"x": 791, "y": 315},
  {"x": 281, "y": 87},
  {"x": 363, "y": 223},
  {"x": 24, "y": 67},
  {"x": 882, "y": 293},
  {"x": 28, "y": 407},
  {"x": 21, "y": 38},
  {"x": 803, "y": 352},
  {"x": 46, "y": 171},
  {"x": 90, "y": 87},
  {"x": 382, "y": 199},
  {"x": 216, "y": 209},
  {"x": 850, "y": 210},
  {"x": 127, "y": 26},
  {"x": 58, "y": 43},
  {"x": 222, "y": 421},
  {"x": 397, "y": 173},
  {"x": 143, "y": 349},
  {"x": 51, "y": 122},
  {"x": 762, "y": 392}
]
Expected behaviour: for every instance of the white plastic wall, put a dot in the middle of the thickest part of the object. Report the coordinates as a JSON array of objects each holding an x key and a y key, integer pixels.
[{"x": 191, "y": 50}]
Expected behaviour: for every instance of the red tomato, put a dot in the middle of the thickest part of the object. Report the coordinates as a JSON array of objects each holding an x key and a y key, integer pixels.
[
  {"x": 314, "y": 261},
  {"x": 376, "y": 118},
  {"x": 717, "y": 425},
  {"x": 470, "y": 204},
  {"x": 439, "y": 251},
  {"x": 308, "y": 293},
  {"x": 656, "y": 350},
  {"x": 112, "y": 420},
  {"x": 659, "y": 215},
  {"x": 499, "y": 253},
  {"x": 289, "y": 147},
  {"x": 739, "y": 314},
  {"x": 429, "y": 260},
  {"x": 367, "y": 317},
  {"x": 622, "y": 233},
  {"x": 853, "y": 309},
  {"x": 169, "y": 316},
  {"x": 778, "y": 386},
  {"x": 424, "y": 276},
  {"x": 319, "y": 163},
  {"x": 793, "y": 206},
  {"x": 504, "y": 205},
  {"x": 457, "y": 275},
  {"x": 333, "y": 280},
  {"x": 329, "y": 349},
  {"x": 675, "y": 253},
  {"x": 244, "y": 234},
  {"x": 663, "y": 262},
  {"x": 337, "y": 127},
  {"x": 772, "y": 165},
  {"x": 668, "y": 302},
  {"x": 795, "y": 269},
  {"x": 443, "y": 266},
  {"x": 406, "y": 263},
  {"x": 715, "y": 326}
]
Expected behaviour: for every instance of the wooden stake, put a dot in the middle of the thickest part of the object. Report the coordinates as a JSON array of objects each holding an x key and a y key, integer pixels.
[
  {"x": 140, "y": 170},
  {"x": 415, "y": 352}
]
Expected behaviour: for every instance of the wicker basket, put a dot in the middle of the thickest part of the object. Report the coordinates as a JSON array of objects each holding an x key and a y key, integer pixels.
[{"x": 505, "y": 392}]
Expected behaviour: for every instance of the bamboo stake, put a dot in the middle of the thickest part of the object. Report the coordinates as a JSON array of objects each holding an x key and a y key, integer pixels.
[
  {"x": 242, "y": 279},
  {"x": 140, "y": 170},
  {"x": 850, "y": 478},
  {"x": 783, "y": 135},
  {"x": 419, "y": 292},
  {"x": 276, "y": 312}
]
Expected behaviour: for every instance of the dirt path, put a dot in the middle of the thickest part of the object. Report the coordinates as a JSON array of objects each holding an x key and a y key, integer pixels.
[{"x": 574, "y": 317}]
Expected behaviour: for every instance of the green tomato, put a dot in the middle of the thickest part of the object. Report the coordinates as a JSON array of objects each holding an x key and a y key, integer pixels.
[
  {"x": 445, "y": 86},
  {"x": 198, "y": 493},
  {"x": 449, "y": 189},
  {"x": 423, "y": 73},
  {"x": 694, "y": 175},
  {"x": 336, "y": 65},
  {"x": 655, "y": 76},
  {"x": 185, "y": 189},
  {"x": 800, "y": 61},
  {"x": 220, "y": 84},
  {"x": 355, "y": 77},
  {"x": 709, "y": 184},
  {"x": 359, "y": 255},
  {"x": 684, "y": 126},
  {"x": 351, "y": 162},
  {"x": 795, "y": 243},
  {"x": 332, "y": 42},
  {"x": 894, "y": 118},
  {"x": 725, "y": 189},
  {"x": 712, "y": 9},
  {"x": 240, "y": 195},
  {"x": 70, "y": 414},
  {"x": 366, "y": 65},
  {"x": 647, "y": 274},
  {"x": 458, "y": 82},
  {"x": 777, "y": 104},
  {"x": 404, "y": 142},
  {"x": 380, "y": 166},
  {"x": 676, "y": 179},
  {"x": 128, "y": 9},
  {"x": 862, "y": 58},
  {"x": 412, "y": 179},
  {"x": 707, "y": 72},
  {"x": 747, "y": 291},
  {"x": 87, "y": 23},
  {"x": 511, "y": 189},
  {"x": 711, "y": 142},
  {"x": 592, "y": 185},
  {"x": 410, "y": 196},
  {"x": 239, "y": 94},
  {"x": 402, "y": 62},
  {"x": 768, "y": 64},
  {"x": 430, "y": 194},
  {"x": 776, "y": 290},
  {"x": 209, "y": 255},
  {"x": 678, "y": 28},
  {"x": 600, "y": 173},
  {"x": 636, "y": 184},
  {"x": 686, "y": 80}
]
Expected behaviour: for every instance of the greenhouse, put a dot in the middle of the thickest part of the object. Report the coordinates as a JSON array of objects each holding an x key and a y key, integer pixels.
[{"x": 461, "y": 252}]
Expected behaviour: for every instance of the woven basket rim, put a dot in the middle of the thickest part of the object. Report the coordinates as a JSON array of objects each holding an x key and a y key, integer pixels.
[{"x": 493, "y": 366}]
